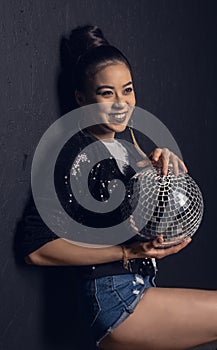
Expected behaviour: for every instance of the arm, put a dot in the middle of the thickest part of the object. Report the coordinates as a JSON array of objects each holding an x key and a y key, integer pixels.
[{"x": 61, "y": 253}]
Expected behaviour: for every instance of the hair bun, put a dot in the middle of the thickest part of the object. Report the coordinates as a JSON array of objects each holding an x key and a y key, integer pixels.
[{"x": 84, "y": 38}]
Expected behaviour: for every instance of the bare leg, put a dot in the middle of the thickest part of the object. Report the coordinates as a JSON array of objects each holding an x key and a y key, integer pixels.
[{"x": 167, "y": 319}]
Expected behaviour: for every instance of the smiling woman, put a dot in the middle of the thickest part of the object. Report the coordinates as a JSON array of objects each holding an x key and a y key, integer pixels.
[
  {"x": 123, "y": 308},
  {"x": 112, "y": 87}
]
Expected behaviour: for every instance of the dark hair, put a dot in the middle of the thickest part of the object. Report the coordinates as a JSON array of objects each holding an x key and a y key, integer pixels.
[{"x": 89, "y": 52}]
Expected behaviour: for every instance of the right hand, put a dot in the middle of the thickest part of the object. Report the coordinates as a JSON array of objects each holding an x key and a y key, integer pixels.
[{"x": 153, "y": 249}]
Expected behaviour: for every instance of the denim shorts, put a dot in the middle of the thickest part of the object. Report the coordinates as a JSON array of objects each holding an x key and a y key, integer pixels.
[{"x": 110, "y": 300}]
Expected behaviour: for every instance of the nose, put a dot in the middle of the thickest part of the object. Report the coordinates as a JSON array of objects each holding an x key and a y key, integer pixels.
[
  {"x": 119, "y": 105},
  {"x": 119, "y": 102}
]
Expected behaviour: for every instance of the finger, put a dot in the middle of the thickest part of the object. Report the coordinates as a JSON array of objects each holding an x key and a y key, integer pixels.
[
  {"x": 175, "y": 164},
  {"x": 183, "y": 166},
  {"x": 178, "y": 247},
  {"x": 156, "y": 243},
  {"x": 165, "y": 157},
  {"x": 178, "y": 164},
  {"x": 184, "y": 243},
  {"x": 155, "y": 154},
  {"x": 161, "y": 156},
  {"x": 133, "y": 224},
  {"x": 143, "y": 163}
]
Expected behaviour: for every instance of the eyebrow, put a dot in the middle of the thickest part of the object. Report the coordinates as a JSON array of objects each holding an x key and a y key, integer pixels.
[{"x": 111, "y": 87}]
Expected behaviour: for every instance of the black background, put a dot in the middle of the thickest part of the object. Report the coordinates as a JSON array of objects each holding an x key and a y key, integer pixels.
[{"x": 172, "y": 48}]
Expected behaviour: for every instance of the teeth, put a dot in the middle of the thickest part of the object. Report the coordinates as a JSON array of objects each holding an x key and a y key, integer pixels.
[{"x": 119, "y": 116}]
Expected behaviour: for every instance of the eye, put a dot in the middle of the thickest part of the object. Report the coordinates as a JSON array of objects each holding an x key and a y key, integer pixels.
[
  {"x": 107, "y": 93},
  {"x": 128, "y": 90}
]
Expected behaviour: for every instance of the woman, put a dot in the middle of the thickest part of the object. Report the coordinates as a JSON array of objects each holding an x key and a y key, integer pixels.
[{"x": 124, "y": 310}]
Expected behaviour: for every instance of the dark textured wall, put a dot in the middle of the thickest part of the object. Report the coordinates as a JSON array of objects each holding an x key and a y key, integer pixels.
[{"x": 172, "y": 47}]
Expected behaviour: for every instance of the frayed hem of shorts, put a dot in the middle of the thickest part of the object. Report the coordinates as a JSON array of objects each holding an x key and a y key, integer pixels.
[{"x": 124, "y": 316}]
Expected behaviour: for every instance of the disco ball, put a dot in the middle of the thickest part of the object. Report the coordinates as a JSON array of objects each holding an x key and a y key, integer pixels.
[{"x": 169, "y": 205}]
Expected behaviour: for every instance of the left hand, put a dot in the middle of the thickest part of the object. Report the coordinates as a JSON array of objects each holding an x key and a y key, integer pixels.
[{"x": 161, "y": 158}]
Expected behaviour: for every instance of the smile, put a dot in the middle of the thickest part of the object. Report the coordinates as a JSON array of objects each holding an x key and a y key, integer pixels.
[{"x": 117, "y": 117}]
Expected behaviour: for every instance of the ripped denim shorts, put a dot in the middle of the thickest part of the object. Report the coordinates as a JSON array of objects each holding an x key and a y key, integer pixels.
[{"x": 110, "y": 300}]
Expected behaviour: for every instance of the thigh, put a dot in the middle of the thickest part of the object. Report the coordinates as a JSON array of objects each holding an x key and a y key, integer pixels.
[{"x": 167, "y": 319}]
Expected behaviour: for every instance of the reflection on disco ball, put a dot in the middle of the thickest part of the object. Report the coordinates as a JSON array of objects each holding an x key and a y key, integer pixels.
[{"x": 169, "y": 205}]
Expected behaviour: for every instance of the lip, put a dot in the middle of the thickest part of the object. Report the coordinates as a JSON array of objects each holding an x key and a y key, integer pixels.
[{"x": 118, "y": 118}]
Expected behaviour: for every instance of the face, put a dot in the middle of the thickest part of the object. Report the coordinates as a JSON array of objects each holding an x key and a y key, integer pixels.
[{"x": 112, "y": 88}]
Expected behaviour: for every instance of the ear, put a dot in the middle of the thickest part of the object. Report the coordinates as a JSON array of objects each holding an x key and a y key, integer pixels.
[{"x": 80, "y": 98}]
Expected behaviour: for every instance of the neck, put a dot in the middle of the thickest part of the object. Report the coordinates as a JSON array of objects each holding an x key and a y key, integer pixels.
[{"x": 102, "y": 134}]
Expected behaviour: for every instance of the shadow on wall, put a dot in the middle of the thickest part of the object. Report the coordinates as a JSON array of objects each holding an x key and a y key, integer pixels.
[
  {"x": 62, "y": 317},
  {"x": 61, "y": 323},
  {"x": 65, "y": 82}
]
